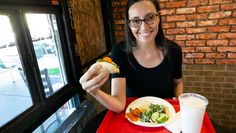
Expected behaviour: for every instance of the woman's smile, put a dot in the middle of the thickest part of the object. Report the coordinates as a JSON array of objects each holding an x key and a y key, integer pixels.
[{"x": 145, "y": 34}]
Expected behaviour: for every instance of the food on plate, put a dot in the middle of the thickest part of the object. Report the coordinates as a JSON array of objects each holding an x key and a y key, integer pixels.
[
  {"x": 149, "y": 113},
  {"x": 134, "y": 114},
  {"x": 108, "y": 64}
]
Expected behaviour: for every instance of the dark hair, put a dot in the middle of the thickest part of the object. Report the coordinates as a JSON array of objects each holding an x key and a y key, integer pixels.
[{"x": 129, "y": 37}]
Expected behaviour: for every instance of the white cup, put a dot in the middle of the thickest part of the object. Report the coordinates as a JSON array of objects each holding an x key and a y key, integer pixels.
[{"x": 192, "y": 108}]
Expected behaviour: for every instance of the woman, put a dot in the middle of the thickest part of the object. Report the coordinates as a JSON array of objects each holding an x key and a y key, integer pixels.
[{"x": 150, "y": 65}]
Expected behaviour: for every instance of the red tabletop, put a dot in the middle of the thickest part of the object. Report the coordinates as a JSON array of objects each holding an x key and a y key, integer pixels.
[{"x": 117, "y": 123}]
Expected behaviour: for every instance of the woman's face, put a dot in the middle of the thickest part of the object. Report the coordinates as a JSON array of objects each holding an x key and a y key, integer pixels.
[{"x": 144, "y": 10}]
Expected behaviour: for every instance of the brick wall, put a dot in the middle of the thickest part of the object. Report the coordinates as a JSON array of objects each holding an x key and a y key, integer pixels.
[
  {"x": 218, "y": 84},
  {"x": 206, "y": 31}
]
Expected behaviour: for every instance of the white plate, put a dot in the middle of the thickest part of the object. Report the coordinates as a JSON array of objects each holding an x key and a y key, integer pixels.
[{"x": 155, "y": 100}]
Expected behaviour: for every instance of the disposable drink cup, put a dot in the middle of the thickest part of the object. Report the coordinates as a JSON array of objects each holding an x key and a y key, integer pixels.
[{"x": 192, "y": 107}]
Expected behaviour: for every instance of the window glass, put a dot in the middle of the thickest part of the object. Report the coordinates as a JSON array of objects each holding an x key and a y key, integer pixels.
[
  {"x": 47, "y": 46},
  {"x": 55, "y": 120},
  {"x": 14, "y": 93}
]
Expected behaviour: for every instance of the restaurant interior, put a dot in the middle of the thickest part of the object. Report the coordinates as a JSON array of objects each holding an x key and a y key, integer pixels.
[{"x": 47, "y": 45}]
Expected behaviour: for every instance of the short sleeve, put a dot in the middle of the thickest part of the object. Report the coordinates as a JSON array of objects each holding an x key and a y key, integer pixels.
[{"x": 118, "y": 56}]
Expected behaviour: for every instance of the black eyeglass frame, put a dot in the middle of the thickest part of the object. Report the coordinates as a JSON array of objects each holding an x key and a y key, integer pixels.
[{"x": 142, "y": 20}]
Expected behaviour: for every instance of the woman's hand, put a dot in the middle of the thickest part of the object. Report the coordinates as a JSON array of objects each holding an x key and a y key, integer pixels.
[{"x": 94, "y": 78}]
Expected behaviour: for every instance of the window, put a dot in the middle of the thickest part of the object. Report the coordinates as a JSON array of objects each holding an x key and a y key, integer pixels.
[
  {"x": 47, "y": 47},
  {"x": 37, "y": 67},
  {"x": 12, "y": 87}
]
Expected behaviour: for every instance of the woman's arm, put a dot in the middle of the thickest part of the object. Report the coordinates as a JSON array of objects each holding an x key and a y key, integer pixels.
[
  {"x": 92, "y": 81},
  {"x": 178, "y": 87},
  {"x": 115, "y": 101}
]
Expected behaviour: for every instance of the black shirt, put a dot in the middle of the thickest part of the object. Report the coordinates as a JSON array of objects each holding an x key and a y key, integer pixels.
[{"x": 156, "y": 81}]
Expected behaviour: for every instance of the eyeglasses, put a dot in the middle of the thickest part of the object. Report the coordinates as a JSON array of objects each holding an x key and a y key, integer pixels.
[{"x": 148, "y": 19}]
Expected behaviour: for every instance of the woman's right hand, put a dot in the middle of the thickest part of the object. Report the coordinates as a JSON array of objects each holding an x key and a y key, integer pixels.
[{"x": 94, "y": 78}]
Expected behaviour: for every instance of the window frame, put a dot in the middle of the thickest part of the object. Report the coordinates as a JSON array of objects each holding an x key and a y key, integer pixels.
[
  {"x": 32, "y": 118},
  {"x": 42, "y": 107}
]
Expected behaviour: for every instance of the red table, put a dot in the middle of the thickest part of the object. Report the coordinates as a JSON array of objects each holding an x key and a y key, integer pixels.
[{"x": 117, "y": 123}]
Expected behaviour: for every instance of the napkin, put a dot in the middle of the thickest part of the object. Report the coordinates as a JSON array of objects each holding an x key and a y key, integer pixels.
[{"x": 175, "y": 126}]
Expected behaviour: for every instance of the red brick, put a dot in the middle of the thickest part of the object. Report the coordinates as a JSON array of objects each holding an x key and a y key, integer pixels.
[
  {"x": 205, "y": 49},
  {"x": 181, "y": 43},
  {"x": 196, "y": 43},
  {"x": 188, "y": 49},
  {"x": 116, "y": 9},
  {"x": 193, "y": 3},
  {"x": 232, "y": 55},
  {"x": 194, "y": 55},
  {"x": 230, "y": 6},
  {"x": 227, "y": 36},
  {"x": 219, "y": 29},
  {"x": 196, "y": 16},
  {"x": 211, "y": 2},
  {"x": 207, "y": 23},
  {"x": 195, "y": 30},
  {"x": 119, "y": 21},
  {"x": 234, "y": 14},
  {"x": 186, "y": 10},
  {"x": 175, "y": 4},
  {"x": 171, "y": 37},
  {"x": 228, "y": 21},
  {"x": 175, "y": 18},
  {"x": 204, "y": 61},
  {"x": 162, "y": 4},
  {"x": 167, "y": 11},
  {"x": 168, "y": 25},
  {"x": 217, "y": 15},
  {"x": 163, "y": 18},
  {"x": 175, "y": 31},
  {"x": 232, "y": 43},
  {"x": 217, "y": 42},
  {"x": 188, "y": 61},
  {"x": 119, "y": 9},
  {"x": 161, "y": 1},
  {"x": 184, "y": 37},
  {"x": 208, "y": 8},
  {"x": 196, "y": 2},
  {"x": 226, "y": 61},
  {"x": 233, "y": 29},
  {"x": 215, "y": 55},
  {"x": 206, "y": 36},
  {"x": 226, "y": 49},
  {"x": 186, "y": 24}
]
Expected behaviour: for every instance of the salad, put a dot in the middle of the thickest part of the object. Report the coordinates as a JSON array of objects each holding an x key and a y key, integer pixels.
[{"x": 149, "y": 113}]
